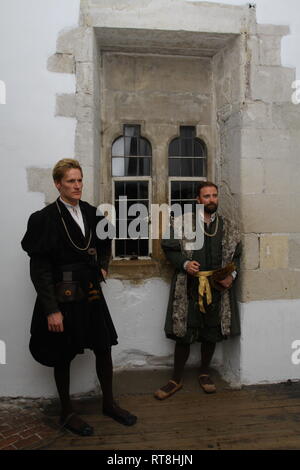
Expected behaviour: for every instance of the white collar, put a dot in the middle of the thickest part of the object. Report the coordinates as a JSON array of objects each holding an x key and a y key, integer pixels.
[
  {"x": 213, "y": 216},
  {"x": 68, "y": 205}
]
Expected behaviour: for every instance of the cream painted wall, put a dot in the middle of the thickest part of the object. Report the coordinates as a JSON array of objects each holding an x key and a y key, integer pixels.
[{"x": 31, "y": 135}]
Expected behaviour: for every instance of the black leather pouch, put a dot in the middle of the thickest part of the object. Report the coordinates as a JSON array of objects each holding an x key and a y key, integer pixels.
[{"x": 69, "y": 291}]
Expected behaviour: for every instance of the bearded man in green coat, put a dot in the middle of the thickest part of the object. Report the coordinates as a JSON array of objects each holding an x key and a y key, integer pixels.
[{"x": 202, "y": 305}]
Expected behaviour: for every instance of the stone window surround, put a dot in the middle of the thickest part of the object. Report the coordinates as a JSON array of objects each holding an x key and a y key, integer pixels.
[
  {"x": 260, "y": 67},
  {"x": 79, "y": 52}
]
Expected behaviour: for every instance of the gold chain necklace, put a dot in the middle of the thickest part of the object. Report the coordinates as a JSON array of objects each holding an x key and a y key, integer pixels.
[
  {"x": 216, "y": 228},
  {"x": 67, "y": 232}
]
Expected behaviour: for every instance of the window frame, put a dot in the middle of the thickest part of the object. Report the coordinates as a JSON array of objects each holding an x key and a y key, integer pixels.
[{"x": 135, "y": 179}]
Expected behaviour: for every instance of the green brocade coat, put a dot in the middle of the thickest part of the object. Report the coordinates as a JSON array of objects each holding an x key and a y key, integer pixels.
[{"x": 203, "y": 326}]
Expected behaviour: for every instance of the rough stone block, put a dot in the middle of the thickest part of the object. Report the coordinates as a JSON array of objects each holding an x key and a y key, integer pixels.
[
  {"x": 265, "y": 144},
  {"x": 271, "y": 84},
  {"x": 270, "y": 213},
  {"x": 257, "y": 115},
  {"x": 294, "y": 150},
  {"x": 85, "y": 107},
  {"x": 61, "y": 63},
  {"x": 40, "y": 180},
  {"x": 66, "y": 41},
  {"x": 282, "y": 177},
  {"x": 250, "y": 252},
  {"x": 198, "y": 16},
  {"x": 85, "y": 78},
  {"x": 273, "y": 30},
  {"x": 253, "y": 44},
  {"x": 251, "y": 176},
  {"x": 89, "y": 175},
  {"x": 294, "y": 251},
  {"x": 65, "y": 105},
  {"x": 269, "y": 285},
  {"x": 286, "y": 115},
  {"x": 84, "y": 143},
  {"x": 156, "y": 74},
  {"x": 270, "y": 50},
  {"x": 78, "y": 42},
  {"x": 84, "y": 48},
  {"x": 273, "y": 252},
  {"x": 158, "y": 107}
]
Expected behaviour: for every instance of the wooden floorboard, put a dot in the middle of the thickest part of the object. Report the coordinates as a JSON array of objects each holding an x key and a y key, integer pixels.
[{"x": 253, "y": 418}]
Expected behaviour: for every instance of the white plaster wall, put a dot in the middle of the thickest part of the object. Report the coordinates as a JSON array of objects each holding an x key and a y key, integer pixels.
[
  {"x": 30, "y": 135},
  {"x": 269, "y": 330},
  {"x": 139, "y": 314}
]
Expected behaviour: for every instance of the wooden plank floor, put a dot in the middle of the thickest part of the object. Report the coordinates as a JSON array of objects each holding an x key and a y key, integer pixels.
[{"x": 260, "y": 417}]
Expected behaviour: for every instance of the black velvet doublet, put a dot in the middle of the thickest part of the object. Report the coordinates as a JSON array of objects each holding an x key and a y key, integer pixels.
[{"x": 86, "y": 324}]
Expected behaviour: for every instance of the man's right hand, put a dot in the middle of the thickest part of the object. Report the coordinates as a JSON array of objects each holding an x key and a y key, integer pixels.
[
  {"x": 192, "y": 267},
  {"x": 56, "y": 322}
]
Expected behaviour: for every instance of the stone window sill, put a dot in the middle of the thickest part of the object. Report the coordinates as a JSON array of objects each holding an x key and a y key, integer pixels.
[{"x": 138, "y": 269}]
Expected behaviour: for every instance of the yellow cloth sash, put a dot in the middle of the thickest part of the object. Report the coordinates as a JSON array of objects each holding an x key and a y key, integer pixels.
[{"x": 204, "y": 288}]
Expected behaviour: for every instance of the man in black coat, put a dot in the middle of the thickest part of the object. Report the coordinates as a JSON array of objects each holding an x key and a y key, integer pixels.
[{"x": 67, "y": 263}]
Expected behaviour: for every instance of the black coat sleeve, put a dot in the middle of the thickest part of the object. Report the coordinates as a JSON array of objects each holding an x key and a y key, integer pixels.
[
  {"x": 42, "y": 279},
  {"x": 37, "y": 243},
  {"x": 103, "y": 246}
]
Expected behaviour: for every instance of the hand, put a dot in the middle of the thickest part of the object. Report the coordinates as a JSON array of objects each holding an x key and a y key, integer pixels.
[
  {"x": 104, "y": 273},
  {"x": 227, "y": 282},
  {"x": 55, "y": 322},
  {"x": 192, "y": 267}
]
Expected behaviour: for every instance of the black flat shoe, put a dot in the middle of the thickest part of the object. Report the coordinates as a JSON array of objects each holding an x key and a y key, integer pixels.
[
  {"x": 83, "y": 430},
  {"x": 120, "y": 415}
]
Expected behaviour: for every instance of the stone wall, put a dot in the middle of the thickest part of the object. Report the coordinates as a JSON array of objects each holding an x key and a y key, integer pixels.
[{"x": 270, "y": 195}]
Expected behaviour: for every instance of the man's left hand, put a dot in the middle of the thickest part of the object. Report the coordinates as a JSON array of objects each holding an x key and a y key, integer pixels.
[
  {"x": 227, "y": 282},
  {"x": 104, "y": 273}
]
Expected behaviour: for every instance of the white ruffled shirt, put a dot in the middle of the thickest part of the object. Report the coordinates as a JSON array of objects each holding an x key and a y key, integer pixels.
[{"x": 75, "y": 212}]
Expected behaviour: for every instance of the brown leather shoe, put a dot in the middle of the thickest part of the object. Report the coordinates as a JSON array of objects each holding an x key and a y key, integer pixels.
[
  {"x": 206, "y": 383},
  {"x": 167, "y": 390}
]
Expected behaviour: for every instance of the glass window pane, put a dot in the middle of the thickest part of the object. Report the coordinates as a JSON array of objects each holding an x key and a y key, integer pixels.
[
  {"x": 200, "y": 167},
  {"x": 131, "y": 190},
  {"x": 132, "y": 247},
  {"x": 175, "y": 190},
  {"x": 145, "y": 148},
  {"x": 144, "y": 166},
  {"x": 187, "y": 131},
  {"x": 143, "y": 190},
  {"x": 187, "y": 190},
  {"x": 120, "y": 189},
  {"x": 185, "y": 205},
  {"x": 131, "y": 146},
  {"x": 199, "y": 148},
  {"x": 174, "y": 166},
  {"x": 131, "y": 130},
  {"x": 143, "y": 247},
  {"x": 187, "y": 167},
  {"x": 120, "y": 247},
  {"x": 174, "y": 148},
  {"x": 131, "y": 166},
  {"x": 186, "y": 148},
  {"x": 118, "y": 148},
  {"x": 118, "y": 167}
]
